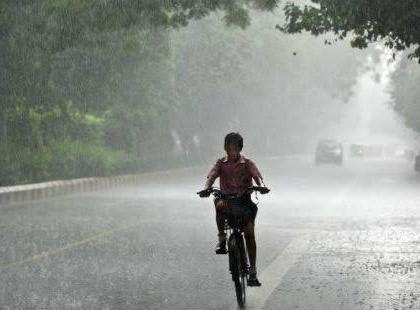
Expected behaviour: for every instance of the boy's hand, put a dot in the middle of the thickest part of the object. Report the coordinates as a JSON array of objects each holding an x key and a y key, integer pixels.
[
  {"x": 264, "y": 190},
  {"x": 204, "y": 193},
  {"x": 261, "y": 189}
]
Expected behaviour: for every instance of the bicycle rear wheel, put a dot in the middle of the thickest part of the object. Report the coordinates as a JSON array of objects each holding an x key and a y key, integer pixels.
[{"x": 237, "y": 270}]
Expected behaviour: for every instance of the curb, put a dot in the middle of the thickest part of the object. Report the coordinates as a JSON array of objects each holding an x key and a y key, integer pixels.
[
  {"x": 21, "y": 193},
  {"x": 37, "y": 191}
]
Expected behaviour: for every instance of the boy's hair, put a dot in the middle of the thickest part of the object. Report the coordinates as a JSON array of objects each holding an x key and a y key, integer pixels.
[{"x": 234, "y": 138}]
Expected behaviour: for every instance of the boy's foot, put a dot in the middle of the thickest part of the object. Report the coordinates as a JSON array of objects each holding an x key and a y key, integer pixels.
[
  {"x": 221, "y": 247},
  {"x": 253, "y": 281}
]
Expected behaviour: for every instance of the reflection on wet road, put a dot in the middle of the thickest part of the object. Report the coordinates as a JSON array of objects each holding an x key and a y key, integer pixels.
[{"x": 328, "y": 238}]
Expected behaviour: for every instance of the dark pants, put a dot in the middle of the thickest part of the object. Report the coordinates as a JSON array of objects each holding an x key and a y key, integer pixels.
[
  {"x": 249, "y": 212},
  {"x": 247, "y": 208}
]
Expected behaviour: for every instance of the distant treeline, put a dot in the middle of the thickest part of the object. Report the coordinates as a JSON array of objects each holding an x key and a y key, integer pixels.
[{"x": 92, "y": 88}]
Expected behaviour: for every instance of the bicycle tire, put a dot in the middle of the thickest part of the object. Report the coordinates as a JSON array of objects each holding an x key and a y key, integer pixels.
[{"x": 238, "y": 276}]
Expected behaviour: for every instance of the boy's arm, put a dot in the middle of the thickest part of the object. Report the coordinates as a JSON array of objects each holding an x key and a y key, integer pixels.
[
  {"x": 257, "y": 180},
  {"x": 255, "y": 173},
  {"x": 213, "y": 175}
]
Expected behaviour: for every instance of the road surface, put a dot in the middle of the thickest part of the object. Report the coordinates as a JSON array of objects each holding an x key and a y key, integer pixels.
[{"x": 328, "y": 237}]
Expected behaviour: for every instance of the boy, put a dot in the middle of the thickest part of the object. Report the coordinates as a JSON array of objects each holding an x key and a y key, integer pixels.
[{"x": 236, "y": 174}]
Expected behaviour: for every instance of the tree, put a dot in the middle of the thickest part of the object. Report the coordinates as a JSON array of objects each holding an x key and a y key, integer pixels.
[
  {"x": 250, "y": 80},
  {"x": 68, "y": 53},
  {"x": 394, "y": 22},
  {"x": 406, "y": 93}
]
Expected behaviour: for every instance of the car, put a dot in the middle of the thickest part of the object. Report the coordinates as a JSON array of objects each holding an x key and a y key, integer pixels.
[
  {"x": 409, "y": 154},
  {"x": 356, "y": 150},
  {"x": 329, "y": 151},
  {"x": 417, "y": 163}
]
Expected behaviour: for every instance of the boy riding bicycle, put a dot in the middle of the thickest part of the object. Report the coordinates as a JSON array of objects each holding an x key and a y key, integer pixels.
[{"x": 236, "y": 174}]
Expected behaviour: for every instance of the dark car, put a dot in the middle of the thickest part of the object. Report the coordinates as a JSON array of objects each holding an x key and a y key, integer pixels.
[
  {"x": 417, "y": 163},
  {"x": 329, "y": 151}
]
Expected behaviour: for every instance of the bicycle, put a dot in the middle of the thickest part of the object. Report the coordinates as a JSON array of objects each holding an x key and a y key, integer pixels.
[{"x": 236, "y": 219}]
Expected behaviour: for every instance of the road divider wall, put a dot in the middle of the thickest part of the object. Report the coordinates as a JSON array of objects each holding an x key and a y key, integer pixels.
[{"x": 20, "y": 193}]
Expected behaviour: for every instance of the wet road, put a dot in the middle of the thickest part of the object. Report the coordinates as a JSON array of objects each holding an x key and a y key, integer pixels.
[{"x": 328, "y": 238}]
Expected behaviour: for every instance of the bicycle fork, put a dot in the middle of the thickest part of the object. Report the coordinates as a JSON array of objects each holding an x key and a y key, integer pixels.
[{"x": 238, "y": 262}]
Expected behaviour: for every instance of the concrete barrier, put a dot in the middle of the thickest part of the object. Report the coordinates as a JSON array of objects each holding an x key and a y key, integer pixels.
[{"x": 21, "y": 193}]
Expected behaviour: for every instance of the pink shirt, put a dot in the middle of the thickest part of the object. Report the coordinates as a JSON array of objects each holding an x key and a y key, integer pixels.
[{"x": 234, "y": 177}]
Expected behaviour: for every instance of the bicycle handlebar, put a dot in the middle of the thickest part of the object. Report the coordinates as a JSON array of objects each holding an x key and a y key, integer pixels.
[{"x": 212, "y": 190}]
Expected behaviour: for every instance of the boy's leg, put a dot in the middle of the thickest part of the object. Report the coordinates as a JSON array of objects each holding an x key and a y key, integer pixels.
[
  {"x": 251, "y": 245},
  {"x": 220, "y": 205},
  {"x": 252, "y": 253},
  {"x": 220, "y": 218}
]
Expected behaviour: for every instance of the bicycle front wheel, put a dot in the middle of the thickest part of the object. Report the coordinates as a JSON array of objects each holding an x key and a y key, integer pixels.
[
  {"x": 236, "y": 268},
  {"x": 240, "y": 288}
]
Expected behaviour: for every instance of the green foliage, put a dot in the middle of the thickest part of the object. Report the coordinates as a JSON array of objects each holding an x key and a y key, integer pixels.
[
  {"x": 64, "y": 160},
  {"x": 92, "y": 88},
  {"x": 20, "y": 165},
  {"x": 397, "y": 23},
  {"x": 75, "y": 160},
  {"x": 406, "y": 93}
]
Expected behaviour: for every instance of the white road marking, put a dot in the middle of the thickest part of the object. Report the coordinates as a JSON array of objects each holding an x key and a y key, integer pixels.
[{"x": 272, "y": 276}]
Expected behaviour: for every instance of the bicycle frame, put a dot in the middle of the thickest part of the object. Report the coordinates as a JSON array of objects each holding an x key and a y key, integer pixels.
[{"x": 238, "y": 256}]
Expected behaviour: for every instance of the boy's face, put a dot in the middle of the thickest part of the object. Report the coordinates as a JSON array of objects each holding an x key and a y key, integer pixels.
[{"x": 233, "y": 151}]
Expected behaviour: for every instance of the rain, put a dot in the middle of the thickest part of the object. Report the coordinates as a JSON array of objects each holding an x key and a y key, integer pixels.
[{"x": 114, "y": 115}]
